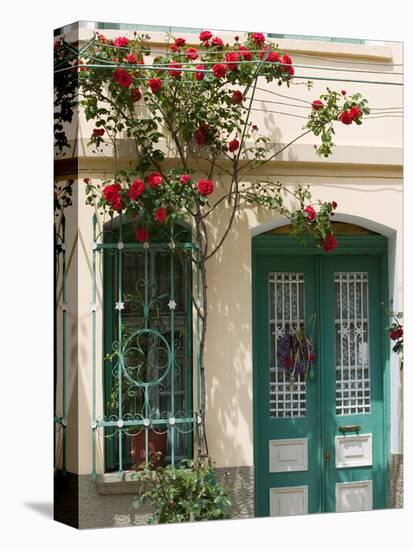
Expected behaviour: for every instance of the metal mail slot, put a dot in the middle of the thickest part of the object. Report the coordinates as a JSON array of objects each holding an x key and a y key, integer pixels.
[{"x": 355, "y": 428}]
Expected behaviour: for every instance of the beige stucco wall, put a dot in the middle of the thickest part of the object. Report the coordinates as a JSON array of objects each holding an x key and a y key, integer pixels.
[{"x": 364, "y": 176}]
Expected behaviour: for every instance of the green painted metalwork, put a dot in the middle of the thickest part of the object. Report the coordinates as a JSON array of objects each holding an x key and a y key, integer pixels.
[
  {"x": 94, "y": 222},
  {"x": 120, "y": 412},
  {"x": 142, "y": 366},
  {"x": 321, "y": 424}
]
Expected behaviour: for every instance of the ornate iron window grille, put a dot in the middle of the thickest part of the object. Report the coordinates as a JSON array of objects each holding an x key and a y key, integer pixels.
[{"x": 148, "y": 371}]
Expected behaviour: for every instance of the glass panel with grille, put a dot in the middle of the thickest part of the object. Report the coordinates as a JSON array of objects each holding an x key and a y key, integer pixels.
[
  {"x": 286, "y": 312},
  {"x": 352, "y": 343}
]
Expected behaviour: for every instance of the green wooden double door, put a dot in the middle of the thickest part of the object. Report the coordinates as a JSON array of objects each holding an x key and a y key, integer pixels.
[{"x": 320, "y": 441}]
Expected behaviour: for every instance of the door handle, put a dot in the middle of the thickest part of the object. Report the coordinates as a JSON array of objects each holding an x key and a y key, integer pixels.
[{"x": 327, "y": 456}]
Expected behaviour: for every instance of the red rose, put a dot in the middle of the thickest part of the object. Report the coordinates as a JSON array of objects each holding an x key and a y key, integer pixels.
[
  {"x": 345, "y": 117},
  {"x": 121, "y": 41},
  {"x": 122, "y": 77},
  {"x": 311, "y": 213},
  {"x": 343, "y": 92},
  {"x": 102, "y": 38},
  {"x": 179, "y": 42},
  {"x": 142, "y": 235},
  {"x": 317, "y": 105},
  {"x": 136, "y": 94},
  {"x": 199, "y": 75},
  {"x": 155, "y": 84},
  {"x": 396, "y": 333},
  {"x": 245, "y": 53},
  {"x": 285, "y": 60},
  {"x": 192, "y": 53},
  {"x": 254, "y": 127},
  {"x": 236, "y": 38},
  {"x": 199, "y": 137},
  {"x": 216, "y": 41},
  {"x": 272, "y": 57},
  {"x": 174, "y": 69},
  {"x": 98, "y": 132},
  {"x": 131, "y": 58},
  {"x": 111, "y": 191},
  {"x": 160, "y": 214},
  {"x": 233, "y": 145},
  {"x": 219, "y": 70},
  {"x": 111, "y": 194},
  {"x": 330, "y": 243},
  {"x": 231, "y": 58},
  {"x": 290, "y": 70},
  {"x": 258, "y": 38},
  {"x": 155, "y": 179},
  {"x": 173, "y": 48},
  {"x": 237, "y": 97},
  {"x": 117, "y": 204},
  {"x": 205, "y": 35},
  {"x": 205, "y": 187},
  {"x": 355, "y": 113},
  {"x": 136, "y": 189},
  {"x": 334, "y": 205},
  {"x": 184, "y": 179}
]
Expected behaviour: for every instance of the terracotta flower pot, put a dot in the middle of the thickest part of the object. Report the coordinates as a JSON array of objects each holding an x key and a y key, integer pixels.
[{"x": 157, "y": 443}]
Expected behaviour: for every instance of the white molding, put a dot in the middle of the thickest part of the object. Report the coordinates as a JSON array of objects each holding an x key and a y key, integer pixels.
[
  {"x": 288, "y": 501},
  {"x": 288, "y": 455},
  {"x": 354, "y": 496},
  {"x": 353, "y": 451}
]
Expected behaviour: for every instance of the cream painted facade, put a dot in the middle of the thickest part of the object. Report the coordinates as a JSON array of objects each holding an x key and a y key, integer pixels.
[{"x": 364, "y": 176}]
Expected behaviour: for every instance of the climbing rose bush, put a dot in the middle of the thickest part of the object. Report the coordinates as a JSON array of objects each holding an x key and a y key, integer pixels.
[
  {"x": 191, "y": 105},
  {"x": 199, "y": 94}
]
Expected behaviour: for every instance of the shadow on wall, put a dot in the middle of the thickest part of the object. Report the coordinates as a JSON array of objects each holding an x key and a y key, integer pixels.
[{"x": 229, "y": 378}]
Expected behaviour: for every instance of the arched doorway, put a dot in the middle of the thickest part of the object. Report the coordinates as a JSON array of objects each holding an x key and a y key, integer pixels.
[{"x": 320, "y": 433}]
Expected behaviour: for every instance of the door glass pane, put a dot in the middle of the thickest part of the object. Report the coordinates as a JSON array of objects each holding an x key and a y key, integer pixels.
[
  {"x": 352, "y": 343},
  {"x": 286, "y": 312}
]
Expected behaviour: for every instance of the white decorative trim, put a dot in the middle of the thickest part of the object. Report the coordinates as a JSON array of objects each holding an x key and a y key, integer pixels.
[
  {"x": 288, "y": 455},
  {"x": 288, "y": 501},
  {"x": 354, "y": 496},
  {"x": 353, "y": 451}
]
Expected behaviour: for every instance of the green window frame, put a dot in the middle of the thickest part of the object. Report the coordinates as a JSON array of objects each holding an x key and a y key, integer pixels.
[{"x": 163, "y": 274}]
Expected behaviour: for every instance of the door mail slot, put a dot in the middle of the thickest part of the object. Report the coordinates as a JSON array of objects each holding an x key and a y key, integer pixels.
[{"x": 355, "y": 428}]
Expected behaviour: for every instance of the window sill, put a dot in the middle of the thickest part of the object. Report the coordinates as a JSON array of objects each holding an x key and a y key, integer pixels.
[{"x": 112, "y": 484}]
